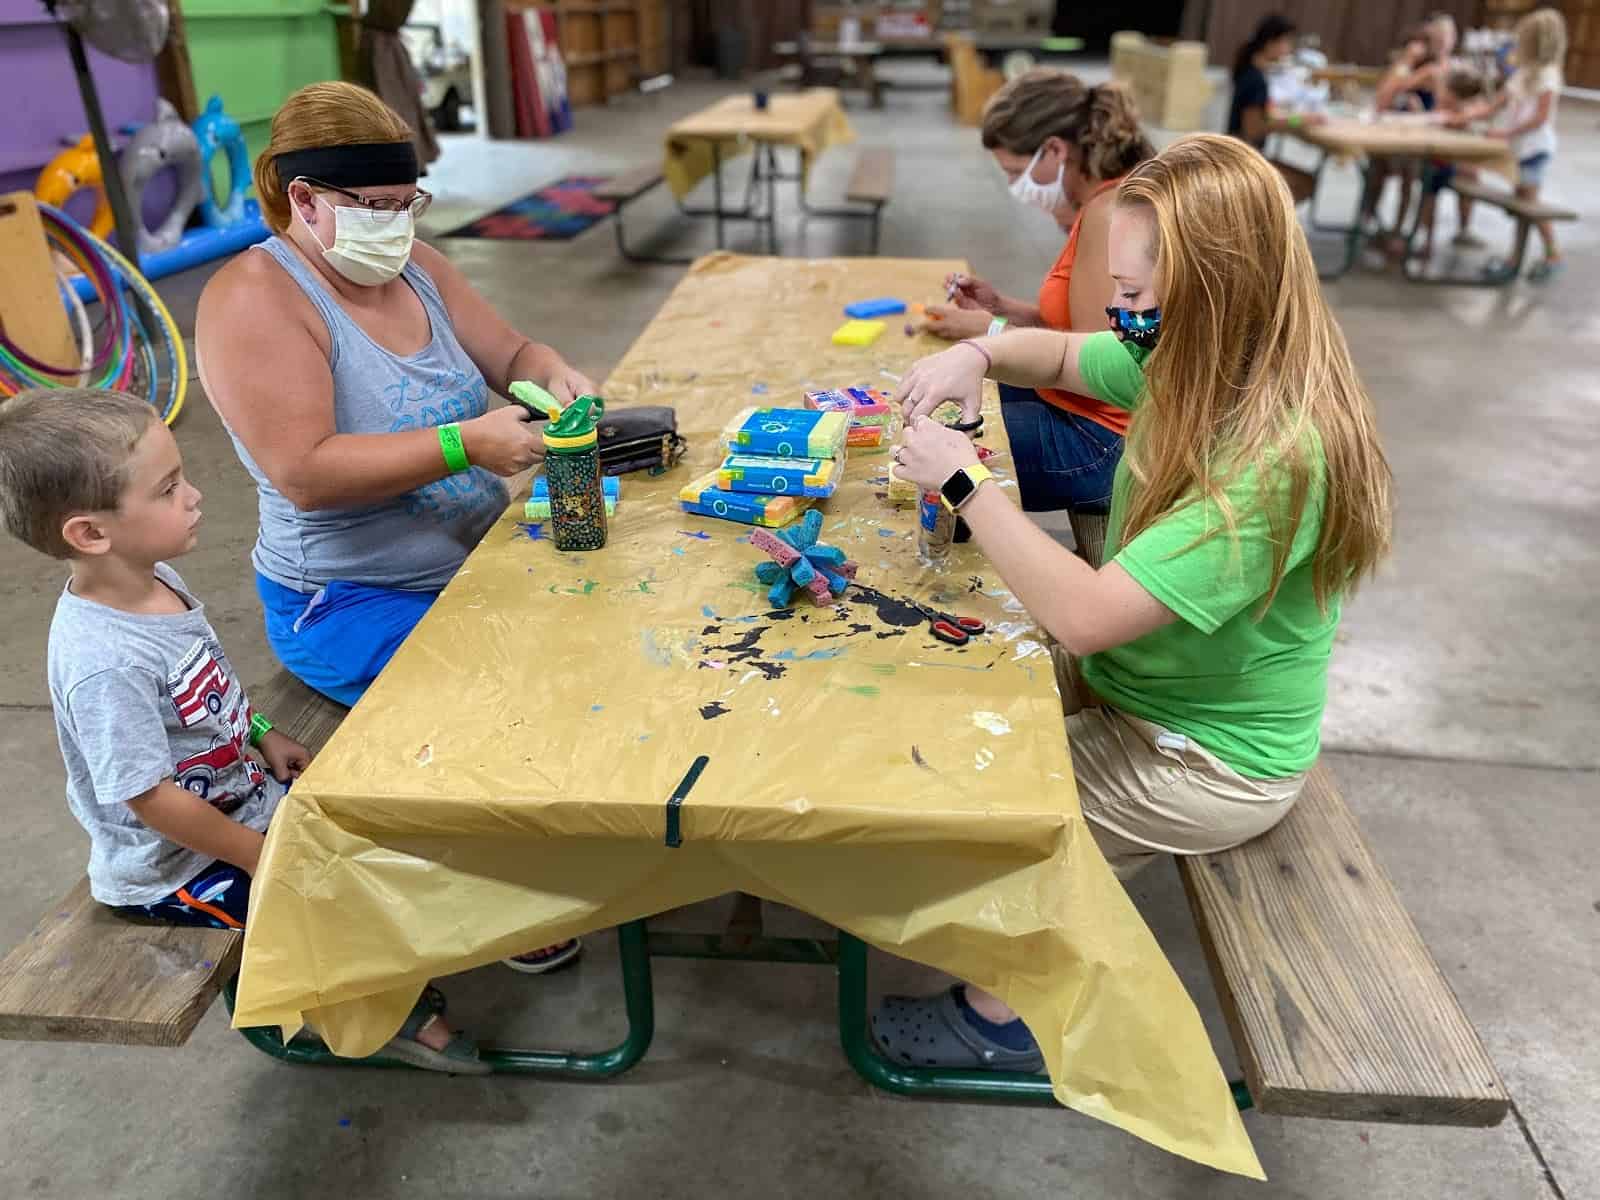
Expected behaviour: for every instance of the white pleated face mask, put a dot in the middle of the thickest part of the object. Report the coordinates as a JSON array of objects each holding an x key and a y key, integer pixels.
[
  {"x": 369, "y": 247},
  {"x": 1047, "y": 196}
]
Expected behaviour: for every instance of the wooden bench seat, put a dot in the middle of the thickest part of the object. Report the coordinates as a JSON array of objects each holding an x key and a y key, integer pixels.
[
  {"x": 631, "y": 184},
  {"x": 1336, "y": 1007},
  {"x": 624, "y": 189},
  {"x": 872, "y": 183},
  {"x": 86, "y": 974},
  {"x": 1526, "y": 213},
  {"x": 1523, "y": 210}
]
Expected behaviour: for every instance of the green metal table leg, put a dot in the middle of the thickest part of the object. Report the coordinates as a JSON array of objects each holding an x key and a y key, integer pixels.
[
  {"x": 638, "y": 995},
  {"x": 1011, "y": 1087}
]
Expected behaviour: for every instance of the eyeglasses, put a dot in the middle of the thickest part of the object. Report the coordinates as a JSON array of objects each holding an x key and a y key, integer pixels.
[{"x": 386, "y": 208}]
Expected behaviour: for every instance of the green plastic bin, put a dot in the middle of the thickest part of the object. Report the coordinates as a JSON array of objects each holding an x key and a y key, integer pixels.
[{"x": 254, "y": 53}]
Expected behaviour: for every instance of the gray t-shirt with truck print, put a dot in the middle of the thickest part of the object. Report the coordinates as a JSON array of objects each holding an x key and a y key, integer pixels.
[{"x": 140, "y": 698}]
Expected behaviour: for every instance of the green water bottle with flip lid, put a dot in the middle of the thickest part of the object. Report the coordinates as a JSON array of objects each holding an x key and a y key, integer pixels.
[{"x": 572, "y": 468}]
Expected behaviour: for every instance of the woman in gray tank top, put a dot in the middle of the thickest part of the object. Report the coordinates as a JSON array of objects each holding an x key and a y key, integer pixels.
[{"x": 352, "y": 368}]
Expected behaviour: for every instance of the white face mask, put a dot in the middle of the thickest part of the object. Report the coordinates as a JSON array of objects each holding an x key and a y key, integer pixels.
[
  {"x": 368, "y": 248},
  {"x": 1047, "y": 196}
]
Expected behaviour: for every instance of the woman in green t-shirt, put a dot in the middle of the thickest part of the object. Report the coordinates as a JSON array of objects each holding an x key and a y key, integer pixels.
[{"x": 1252, "y": 497}]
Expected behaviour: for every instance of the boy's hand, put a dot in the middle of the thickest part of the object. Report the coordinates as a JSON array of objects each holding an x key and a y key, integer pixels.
[{"x": 284, "y": 756}]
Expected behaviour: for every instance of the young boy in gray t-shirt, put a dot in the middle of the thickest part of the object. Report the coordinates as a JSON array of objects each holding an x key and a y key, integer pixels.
[{"x": 155, "y": 728}]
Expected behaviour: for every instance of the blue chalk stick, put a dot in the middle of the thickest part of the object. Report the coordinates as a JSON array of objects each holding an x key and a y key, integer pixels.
[{"x": 883, "y": 306}]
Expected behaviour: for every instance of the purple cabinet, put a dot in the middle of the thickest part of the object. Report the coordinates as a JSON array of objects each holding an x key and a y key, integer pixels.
[{"x": 44, "y": 107}]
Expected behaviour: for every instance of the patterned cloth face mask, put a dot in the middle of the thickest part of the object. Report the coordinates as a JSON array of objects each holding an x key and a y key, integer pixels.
[{"x": 1139, "y": 326}]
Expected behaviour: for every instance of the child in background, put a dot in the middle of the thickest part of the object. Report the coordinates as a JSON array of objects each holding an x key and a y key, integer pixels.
[
  {"x": 155, "y": 728},
  {"x": 1525, "y": 112},
  {"x": 1461, "y": 84},
  {"x": 1412, "y": 84}
]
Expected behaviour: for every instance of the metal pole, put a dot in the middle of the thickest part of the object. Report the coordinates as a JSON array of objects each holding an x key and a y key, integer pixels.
[{"x": 126, "y": 233}]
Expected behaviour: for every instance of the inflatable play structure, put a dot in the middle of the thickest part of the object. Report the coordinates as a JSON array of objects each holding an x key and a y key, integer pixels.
[
  {"x": 230, "y": 222},
  {"x": 165, "y": 143},
  {"x": 218, "y": 132},
  {"x": 76, "y": 169}
]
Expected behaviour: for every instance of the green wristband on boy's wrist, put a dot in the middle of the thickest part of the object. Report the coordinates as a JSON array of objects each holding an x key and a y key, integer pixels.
[
  {"x": 455, "y": 453},
  {"x": 259, "y": 728}
]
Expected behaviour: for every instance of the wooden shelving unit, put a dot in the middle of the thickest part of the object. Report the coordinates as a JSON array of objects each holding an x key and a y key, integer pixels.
[
  {"x": 600, "y": 43},
  {"x": 1583, "y": 42}
]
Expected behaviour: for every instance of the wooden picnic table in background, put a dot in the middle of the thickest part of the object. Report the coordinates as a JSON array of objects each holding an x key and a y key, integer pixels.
[
  {"x": 1403, "y": 137},
  {"x": 505, "y": 782}
]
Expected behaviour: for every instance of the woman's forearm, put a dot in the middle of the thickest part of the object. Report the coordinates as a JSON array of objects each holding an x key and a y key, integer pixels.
[
  {"x": 535, "y": 361},
  {"x": 1020, "y": 314},
  {"x": 351, "y": 469},
  {"x": 1036, "y": 358},
  {"x": 1051, "y": 582},
  {"x": 1084, "y": 609}
]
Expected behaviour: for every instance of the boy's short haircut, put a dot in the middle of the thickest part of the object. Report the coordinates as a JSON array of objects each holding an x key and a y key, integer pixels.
[
  {"x": 1464, "y": 82},
  {"x": 64, "y": 451}
]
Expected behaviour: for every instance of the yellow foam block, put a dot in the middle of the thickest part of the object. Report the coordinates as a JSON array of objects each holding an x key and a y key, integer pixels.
[
  {"x": 902, "y": 492},
  {"x": 857, "y": 333}
]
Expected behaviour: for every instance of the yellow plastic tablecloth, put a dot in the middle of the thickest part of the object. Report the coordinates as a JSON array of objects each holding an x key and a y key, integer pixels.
[
  {"x": 503, "y": 783},
  {"x": 812, "y": 120}
]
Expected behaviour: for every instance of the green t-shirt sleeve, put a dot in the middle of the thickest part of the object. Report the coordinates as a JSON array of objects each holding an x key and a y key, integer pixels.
[
  {"x": 1112, "y": 369},
  {"x": 1208, "y": 582}
]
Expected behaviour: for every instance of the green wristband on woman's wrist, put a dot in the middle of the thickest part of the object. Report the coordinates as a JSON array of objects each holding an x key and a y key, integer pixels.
[
  {"x": 455, "y": 454},
  {"x": 259, "y": 728}
]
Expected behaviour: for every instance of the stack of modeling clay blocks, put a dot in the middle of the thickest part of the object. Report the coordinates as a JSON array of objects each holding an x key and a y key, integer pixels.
[
  {"x": 779, "y": 461},
  {"x": 868, "y": 409}
]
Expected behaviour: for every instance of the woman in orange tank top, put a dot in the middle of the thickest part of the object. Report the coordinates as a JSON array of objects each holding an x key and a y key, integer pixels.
[{"x": 1063, "y": 148}]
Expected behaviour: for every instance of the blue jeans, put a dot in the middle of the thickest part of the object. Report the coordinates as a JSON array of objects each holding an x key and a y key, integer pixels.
[
  {"x": 1062, "y": 460},
  {"x": 337, "y": 639}
]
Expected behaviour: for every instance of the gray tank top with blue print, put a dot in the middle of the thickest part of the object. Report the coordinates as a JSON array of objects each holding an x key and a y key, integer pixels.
[{"x": 417, "y": 540}]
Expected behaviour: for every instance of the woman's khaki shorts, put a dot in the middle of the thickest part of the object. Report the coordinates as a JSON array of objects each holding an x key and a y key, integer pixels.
[{"x": 1146, "y": 791}]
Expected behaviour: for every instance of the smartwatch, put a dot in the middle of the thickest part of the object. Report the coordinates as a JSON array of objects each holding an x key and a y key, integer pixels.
[{"x": 961, "y": 486}]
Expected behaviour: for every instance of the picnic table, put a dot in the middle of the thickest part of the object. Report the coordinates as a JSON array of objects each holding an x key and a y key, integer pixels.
[
  {"x": 1388, "y": 137},
  {"x": 810, "y": 121},
  {"x": 818, "y": 62},
  {"x": 507, "y": 781}
]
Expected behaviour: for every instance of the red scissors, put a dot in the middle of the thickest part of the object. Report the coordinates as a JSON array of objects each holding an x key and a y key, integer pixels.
[
  {"x": 957, "y": 631},
  {"x": 953, "y": 630}
]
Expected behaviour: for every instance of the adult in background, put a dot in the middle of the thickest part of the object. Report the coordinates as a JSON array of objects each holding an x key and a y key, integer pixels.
[
  {"x": 1063, "y": 147},
  {"x": 352, "y": 366}
]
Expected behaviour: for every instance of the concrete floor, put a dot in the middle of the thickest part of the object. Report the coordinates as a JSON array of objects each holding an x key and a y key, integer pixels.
[{"x": 1464, "y": 700}]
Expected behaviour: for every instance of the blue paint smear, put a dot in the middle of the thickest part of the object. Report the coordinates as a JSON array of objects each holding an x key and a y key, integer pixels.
[
  {"x": 759, "y": 389},
  {"x": 885, "y": 533},
  {"x": 711, "y": 614},
  {"x": 596, "y": 707},
  {"x": 533, "y": 531},
  {"x": 677, "y": 549},
  {"x": 695, "y": 533},
  {"x": 791, "y": 656}
]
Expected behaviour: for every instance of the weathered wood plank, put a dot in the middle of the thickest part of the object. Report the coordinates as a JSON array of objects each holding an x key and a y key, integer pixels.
[
  {"x": 630, "y": 183},
  {"x": 1337, "y": 1008},
  {"x": 87, "y": 975},
  {"x": 298, "y": 712}
]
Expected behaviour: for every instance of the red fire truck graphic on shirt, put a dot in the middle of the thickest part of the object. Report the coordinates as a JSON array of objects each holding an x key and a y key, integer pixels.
[{"x": 201, "y": 687}]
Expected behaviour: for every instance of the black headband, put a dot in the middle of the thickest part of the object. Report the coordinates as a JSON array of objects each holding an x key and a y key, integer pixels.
[{"x": 366, "y": 164}]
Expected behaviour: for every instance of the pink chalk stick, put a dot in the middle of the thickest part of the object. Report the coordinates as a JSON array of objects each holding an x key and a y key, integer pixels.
[{"x": 785, "y": 554}]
